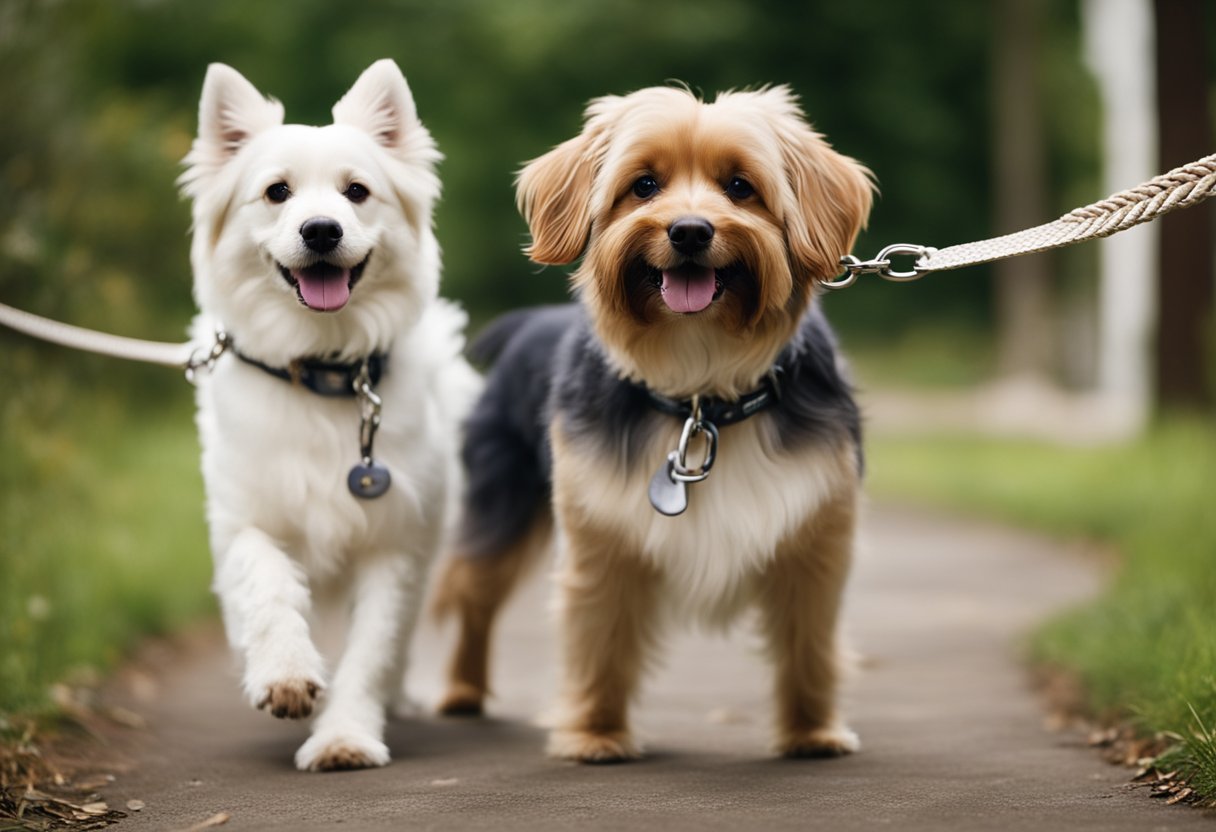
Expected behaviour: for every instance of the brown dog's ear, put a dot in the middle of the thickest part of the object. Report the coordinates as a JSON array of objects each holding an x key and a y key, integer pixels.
[
  {"x": 832, "y": 194},
  {"x": 553, "y": 192}
]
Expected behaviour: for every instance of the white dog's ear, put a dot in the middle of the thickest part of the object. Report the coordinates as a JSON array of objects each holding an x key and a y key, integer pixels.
[
  {"x": 380, "y": 103},
  {"x": 554, "y": 191},
  {"x": 231, "y": 112}
]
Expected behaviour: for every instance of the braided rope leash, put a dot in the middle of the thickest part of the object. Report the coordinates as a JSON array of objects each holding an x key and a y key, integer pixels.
[{"x": 1181, "y": 187}]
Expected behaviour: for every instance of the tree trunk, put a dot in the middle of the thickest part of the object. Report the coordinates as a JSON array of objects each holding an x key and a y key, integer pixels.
[
  {"x": 1120, "y": 50},
  {"x": 1022, "y": 283},
  {"x": 1185, "y": 290}
]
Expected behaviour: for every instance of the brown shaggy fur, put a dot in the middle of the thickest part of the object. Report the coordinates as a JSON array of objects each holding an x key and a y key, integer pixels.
[{"x": 789, "y": 511}]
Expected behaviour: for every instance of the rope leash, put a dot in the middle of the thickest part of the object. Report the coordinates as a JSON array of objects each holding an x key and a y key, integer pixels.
[
  {"x": 188, "y": 357},
  {"x": 1181, "y": 187}
]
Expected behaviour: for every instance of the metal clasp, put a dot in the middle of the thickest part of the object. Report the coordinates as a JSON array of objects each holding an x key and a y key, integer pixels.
[
  {"x": 369, "y": 411},
  {"x": 694, "y": 425},
  {"x": 881, "y": 265},
  {"x": 206, "y": 360}
]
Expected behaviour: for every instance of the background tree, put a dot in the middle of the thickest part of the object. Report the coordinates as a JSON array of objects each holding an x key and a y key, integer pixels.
[
  {"x": 1185, "y": 298},
  {"x": 1024, "y": 311}
]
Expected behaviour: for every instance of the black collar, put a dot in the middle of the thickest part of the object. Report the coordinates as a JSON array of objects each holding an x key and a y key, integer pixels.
[
  {"x": 719, "y": 411},
  {"x": 325, "y": 378}
]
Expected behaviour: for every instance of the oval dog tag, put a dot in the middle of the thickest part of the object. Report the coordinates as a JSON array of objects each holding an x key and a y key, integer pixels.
[
  {"x": 667, "y": 494},
  {"x": 368, "y": 480}
]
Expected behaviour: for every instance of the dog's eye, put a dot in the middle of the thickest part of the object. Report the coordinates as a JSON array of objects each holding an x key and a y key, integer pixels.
[
  {"x": 645, "y": 187},
  {"x": 356, "y": 193},
  {"x": 278, "y": 192},
  {"x": 739, "y": 188}
]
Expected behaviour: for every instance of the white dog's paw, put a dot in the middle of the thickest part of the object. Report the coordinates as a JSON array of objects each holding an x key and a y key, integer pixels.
[
  {"x": 287, "y": 683},
  {"x": 328, "y": 751},
  {"x": 288, "y": 698}
]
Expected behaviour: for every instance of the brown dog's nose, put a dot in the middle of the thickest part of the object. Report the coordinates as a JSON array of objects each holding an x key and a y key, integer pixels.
[{"x": 690, "y": 235}]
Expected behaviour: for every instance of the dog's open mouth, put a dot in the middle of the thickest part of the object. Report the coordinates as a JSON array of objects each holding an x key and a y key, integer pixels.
[
  {"x": 323, "y": 287},
  {"x": 689, "y": 287}
]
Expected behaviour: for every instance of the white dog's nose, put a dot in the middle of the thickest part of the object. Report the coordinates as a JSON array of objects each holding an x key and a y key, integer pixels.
[{"x": 321, "y": 234}]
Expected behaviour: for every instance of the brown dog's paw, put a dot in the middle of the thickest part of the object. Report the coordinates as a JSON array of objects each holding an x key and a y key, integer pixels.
[
  {"x": 821, "y": 743},
  {"x": 462, "y": 700},
  {"x": 290, "y": 699},
  {"x": 589, "y": 747}
]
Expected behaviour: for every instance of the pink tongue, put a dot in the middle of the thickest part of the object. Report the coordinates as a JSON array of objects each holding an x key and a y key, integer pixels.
[
  {"x": 689, "y": 289},
  {"x": 323, "y": 290}
]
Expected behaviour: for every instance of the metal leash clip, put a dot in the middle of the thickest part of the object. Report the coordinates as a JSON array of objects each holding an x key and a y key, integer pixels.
[
  {"x": 669, "y": 486},
  {"x": 694, "y": 425},
  {"x": 200, "y": 360},
  {"x": 368, "y": 479},
  {"x": 881, "y": 265}
]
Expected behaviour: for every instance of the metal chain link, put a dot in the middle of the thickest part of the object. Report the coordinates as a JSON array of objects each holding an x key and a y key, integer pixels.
[{"x": 370, "y": 405}]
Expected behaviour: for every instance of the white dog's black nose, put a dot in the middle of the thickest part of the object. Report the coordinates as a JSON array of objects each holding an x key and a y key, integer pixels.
[
  {"x": 321, "y": 234},
  {"x": 690, "y": 235}
]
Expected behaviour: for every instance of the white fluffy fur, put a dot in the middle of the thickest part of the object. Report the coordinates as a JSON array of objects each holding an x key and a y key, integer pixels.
[{"x": 284, "y": 527}]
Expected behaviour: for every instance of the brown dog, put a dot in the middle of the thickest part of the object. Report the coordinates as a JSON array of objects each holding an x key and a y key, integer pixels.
[{"x": 705, "y": 228}]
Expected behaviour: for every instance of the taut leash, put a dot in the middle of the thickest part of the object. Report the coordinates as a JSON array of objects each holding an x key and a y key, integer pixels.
[
  {"x": 1181, "y": 187},
  {"x": 182, "y": 356}
]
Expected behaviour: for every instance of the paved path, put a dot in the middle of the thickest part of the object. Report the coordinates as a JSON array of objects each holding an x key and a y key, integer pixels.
[{"x": 951, "y": 736}]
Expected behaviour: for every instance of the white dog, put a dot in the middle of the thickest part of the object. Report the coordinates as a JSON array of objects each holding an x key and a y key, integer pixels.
[{"x": 313, "y": 254}]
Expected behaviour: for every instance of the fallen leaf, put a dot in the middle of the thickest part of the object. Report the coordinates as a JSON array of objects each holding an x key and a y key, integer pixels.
[
  {"x": 218, "y": 819},
  {"x": 1181, "y": 796}
]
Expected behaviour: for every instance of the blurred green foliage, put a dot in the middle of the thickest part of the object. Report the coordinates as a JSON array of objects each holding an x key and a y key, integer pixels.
[
  {"x": 101, "y": 513},
  {"x": 100, "y": 99},
  {"x": 101, "y": 535}
]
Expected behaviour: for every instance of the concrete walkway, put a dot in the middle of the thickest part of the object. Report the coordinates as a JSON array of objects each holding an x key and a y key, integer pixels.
[{"x": 952, "y": 737}]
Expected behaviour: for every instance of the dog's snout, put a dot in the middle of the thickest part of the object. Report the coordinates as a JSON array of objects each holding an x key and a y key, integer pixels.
[
  {"x": 689, "y": 235},
  {"x": 321, "y": 234}
]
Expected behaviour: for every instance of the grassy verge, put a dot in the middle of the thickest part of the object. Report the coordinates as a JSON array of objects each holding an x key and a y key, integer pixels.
[
  {"x": 102, "y": 536},
  {"x": 1147, "y": 648}
]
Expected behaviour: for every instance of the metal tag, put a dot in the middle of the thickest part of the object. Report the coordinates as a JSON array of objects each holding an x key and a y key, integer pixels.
[
  {"x": 667, "y": 494},
  {"x": 368, "y": 480}
]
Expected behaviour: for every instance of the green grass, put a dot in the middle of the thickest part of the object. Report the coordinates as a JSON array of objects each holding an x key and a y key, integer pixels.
[
  {"x": 1146, "y": 649},
  {"x": 102, "y": 536},
  {"x": 927, "y": 358}
]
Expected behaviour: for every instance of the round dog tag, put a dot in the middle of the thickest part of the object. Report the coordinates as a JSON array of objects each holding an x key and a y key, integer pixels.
[{"x": 368, "y": 480}]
